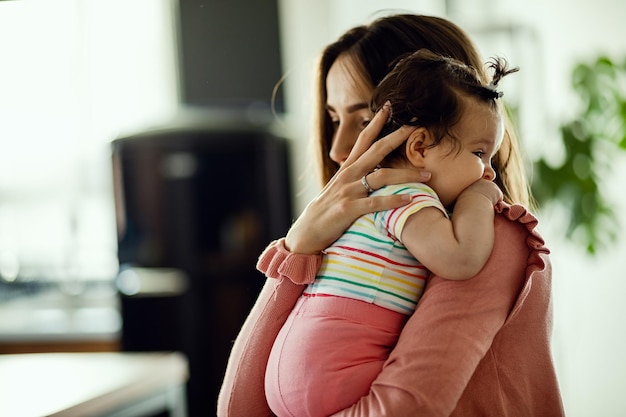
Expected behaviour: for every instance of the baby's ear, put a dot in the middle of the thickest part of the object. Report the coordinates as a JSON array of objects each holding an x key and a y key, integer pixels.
[{"x": 417, "y": 145}]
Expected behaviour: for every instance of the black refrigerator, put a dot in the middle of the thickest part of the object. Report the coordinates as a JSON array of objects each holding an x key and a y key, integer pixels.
[{"x": 195, "y": 206}]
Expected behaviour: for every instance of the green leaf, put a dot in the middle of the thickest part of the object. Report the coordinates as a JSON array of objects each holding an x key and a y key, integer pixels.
[{"x": 573, "y": 183}]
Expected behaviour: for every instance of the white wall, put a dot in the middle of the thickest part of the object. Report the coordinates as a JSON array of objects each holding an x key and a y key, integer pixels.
[
  {"x": 551, "y": 35},
  {"x": 74, "y": 75}
]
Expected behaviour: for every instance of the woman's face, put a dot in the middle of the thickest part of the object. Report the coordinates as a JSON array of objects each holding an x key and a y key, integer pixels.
[{"x": 347, "y": 104}]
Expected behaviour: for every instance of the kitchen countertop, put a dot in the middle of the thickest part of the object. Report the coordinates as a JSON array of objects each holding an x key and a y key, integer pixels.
[
  {"x": 92, "y": 384},
  {"x": 56, "y": 314}
]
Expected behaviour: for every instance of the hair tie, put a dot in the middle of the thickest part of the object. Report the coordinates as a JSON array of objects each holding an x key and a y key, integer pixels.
[{"x": 492, "y": 86}]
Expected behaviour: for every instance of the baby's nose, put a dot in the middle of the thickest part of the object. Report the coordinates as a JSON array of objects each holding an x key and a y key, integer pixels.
[{"x": 489, "y": 174}]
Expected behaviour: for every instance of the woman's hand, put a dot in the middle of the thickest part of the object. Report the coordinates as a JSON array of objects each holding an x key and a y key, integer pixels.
[{"x": 345, "y": 198}]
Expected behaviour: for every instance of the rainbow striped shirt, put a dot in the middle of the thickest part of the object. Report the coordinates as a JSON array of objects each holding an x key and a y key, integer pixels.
[{"x": 370, "y": 263}]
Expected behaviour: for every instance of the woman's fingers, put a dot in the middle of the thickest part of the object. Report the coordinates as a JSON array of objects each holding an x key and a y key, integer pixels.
[
  {"x": 389, "y": 176},
  {"x": 369, "y": 134},
  {"x": 372, "y": 157},
  {"x": 329, "y": 215},
  {"x": 381, "y": 203},
  {"x": 346, "y": 197},
  {"x": 367, "y": 152},
  {"x": 340, "y": 203}
]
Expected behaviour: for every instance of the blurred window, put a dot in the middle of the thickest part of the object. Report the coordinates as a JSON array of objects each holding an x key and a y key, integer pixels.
[{"x": 74, "y": 75}]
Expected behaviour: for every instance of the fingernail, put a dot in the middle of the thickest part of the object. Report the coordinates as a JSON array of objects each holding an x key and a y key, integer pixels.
[
  {"x": 387, "y": 107},
  {"x": 425, "y": 175}
]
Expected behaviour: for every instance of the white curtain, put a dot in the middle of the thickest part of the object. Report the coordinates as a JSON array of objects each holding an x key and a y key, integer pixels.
[{"x": 74, "y": 74}]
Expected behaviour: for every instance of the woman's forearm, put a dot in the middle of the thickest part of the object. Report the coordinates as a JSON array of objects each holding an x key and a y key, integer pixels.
[{"x": 242, "y": 393}]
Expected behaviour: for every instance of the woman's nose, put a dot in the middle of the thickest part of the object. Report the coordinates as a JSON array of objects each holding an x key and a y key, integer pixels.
[
  {"x": 341, "y": 146},
  {"x": 489, "y": 174}
]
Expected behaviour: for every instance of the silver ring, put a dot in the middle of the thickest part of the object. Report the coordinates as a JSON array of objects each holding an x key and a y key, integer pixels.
[{"x": 365, "y": 184}]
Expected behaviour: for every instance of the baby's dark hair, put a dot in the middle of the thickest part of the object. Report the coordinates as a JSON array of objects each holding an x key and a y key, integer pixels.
[{"x": 424, "y": 88}]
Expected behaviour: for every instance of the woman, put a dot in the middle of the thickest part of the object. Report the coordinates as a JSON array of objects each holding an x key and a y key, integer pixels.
[
  {"x": 339, "y": 334},
  {"x": 478, "y": 347}
]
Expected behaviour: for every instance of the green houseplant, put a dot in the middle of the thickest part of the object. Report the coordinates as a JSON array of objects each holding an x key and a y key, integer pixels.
[{"x": 590, "y": 143}]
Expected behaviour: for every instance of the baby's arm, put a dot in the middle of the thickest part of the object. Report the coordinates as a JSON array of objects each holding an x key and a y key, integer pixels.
[{"x": 459, "y": 248}]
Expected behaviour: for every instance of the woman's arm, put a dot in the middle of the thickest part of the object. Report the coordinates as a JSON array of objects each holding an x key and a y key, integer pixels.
[
  {"x": 456, "y": 248},
  {"x": 242, "y": 393},
  {"x": 289, "y": 260},
  {"x": 444, "y": 341}
]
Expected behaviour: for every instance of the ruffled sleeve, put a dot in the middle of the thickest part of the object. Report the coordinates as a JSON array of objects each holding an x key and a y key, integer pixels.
[
  {"x": 536, "y": 243},
  {"x": 278, "y": 263}
]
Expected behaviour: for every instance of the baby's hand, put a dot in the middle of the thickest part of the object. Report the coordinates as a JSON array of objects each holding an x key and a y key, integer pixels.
[{"x": 489, "y": 189}]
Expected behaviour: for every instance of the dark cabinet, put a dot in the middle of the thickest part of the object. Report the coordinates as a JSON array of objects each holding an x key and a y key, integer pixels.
[{"x": 195, "y": 207}]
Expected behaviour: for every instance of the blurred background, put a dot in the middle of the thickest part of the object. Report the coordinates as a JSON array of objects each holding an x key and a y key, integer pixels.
[{"x": 145, "y": 162}]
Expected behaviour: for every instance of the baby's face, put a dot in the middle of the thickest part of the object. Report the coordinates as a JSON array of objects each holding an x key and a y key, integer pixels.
[{"x": 454, "y": 168}]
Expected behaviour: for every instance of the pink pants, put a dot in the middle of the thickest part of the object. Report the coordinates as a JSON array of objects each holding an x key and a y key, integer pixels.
[{"x": 327, "y": 355}]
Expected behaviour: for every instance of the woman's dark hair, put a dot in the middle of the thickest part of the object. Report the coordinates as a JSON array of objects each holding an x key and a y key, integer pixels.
[
  {"x": 424, "y": 89},
  {"x": 374, "y": 48}
]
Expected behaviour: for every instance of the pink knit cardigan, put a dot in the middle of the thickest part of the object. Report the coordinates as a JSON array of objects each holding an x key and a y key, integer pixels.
[{"x": 473, "y": 348}]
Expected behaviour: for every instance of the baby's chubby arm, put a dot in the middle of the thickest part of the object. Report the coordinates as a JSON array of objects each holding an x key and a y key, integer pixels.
[{"x": 456, "y": 248}]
